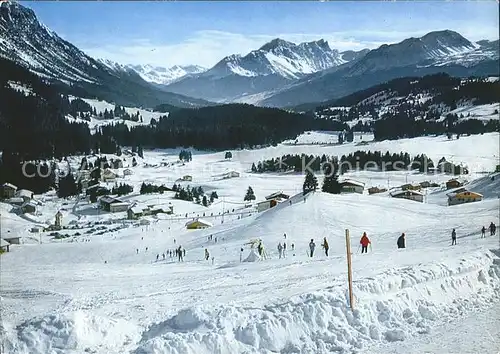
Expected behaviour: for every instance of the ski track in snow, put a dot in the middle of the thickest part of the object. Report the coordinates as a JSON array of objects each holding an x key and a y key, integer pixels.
[{"x": 60, "y": 297}]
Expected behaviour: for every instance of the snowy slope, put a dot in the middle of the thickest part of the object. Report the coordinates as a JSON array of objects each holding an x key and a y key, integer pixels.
[{"x": 134, "y": 304}]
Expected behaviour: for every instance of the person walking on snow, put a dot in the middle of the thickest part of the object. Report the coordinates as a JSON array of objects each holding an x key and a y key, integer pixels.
[
  {"x": 207, "y": 255},
  {"x": 179, "y": 252},
  {"x": 312, "y": 246},
  {"x": 284, "y": 249},
  {"x": 241, "y": 254},
  {"x": 157, "y": 257},
  {"x": 325, "y": 246},
  {"x": 365, "y": 241},
  {"x": 493, "y": 229},
  {"x": 483, "y": 232},
  {"x": 280, "y": 250},
  {"x": 402, "y": 241},
  {"x": 453, "y": 237}
]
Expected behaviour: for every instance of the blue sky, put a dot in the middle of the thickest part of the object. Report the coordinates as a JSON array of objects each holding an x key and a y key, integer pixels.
[{"x": 191, "y": 32}]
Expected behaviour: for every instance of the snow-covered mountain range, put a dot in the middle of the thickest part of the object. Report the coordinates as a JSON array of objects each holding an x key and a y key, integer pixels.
[
  {"x": 29, "y": 43},
  {"x": 165, "y": 76},
  {"x": 274, "y": 65},
  {"x": 279, "y": 73}
]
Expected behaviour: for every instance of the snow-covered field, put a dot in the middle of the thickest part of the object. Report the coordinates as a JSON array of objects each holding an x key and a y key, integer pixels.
[
  {"x": 110, "y": 295},
  {"x": 101, "y": 106}
]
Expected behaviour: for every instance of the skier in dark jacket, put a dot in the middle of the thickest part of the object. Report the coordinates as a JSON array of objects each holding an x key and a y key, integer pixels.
[
  {"x": 365, "y": 241},
  {"x": 493, "y": 229},
  {"x": 453, "y": 237},
  {"x": 402, "y": 241},
  {"x": 483, "y": 232},
  {"x": 312, "y": 246}
]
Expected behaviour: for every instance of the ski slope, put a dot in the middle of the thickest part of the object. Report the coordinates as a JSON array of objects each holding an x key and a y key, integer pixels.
[{"x": 110, "y": 295}]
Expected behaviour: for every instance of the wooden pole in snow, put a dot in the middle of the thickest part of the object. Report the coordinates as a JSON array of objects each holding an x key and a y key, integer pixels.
[{"x": 349, "y": 267}]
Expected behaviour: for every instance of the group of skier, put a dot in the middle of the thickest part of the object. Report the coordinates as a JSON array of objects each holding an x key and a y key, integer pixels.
[{"x": 492, "y": 228}]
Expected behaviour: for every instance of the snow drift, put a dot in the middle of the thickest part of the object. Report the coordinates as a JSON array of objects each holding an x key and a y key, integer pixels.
[{"x": 391, "y": 306}]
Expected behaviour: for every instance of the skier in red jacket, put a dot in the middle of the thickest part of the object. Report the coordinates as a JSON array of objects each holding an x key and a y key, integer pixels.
[{"x": 365, "y": 241}]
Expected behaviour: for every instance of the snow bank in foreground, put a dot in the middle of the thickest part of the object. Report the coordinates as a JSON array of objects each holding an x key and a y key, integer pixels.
[
  {"x": 77, "y": 332},
  {"x": 390, "y": 307}
]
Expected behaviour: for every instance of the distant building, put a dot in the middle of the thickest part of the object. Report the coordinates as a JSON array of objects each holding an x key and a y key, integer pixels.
[
  {"x": 198, "y": 224},
  {"x": 8, "y": 190},
  {"x": 453, "y": 183},
  {"x": 462, "y": 196},
  {"x": 187, "y": 178},
  {"x": 425, "y": 184},
  {"x": 277, "y": 196},
  {"x": 411, "y": 187},
  {"x": 375, "y": 190},
  {"x": 266, "y": 204},
  {"x": 13, "y": 240},
  {"x": 16, "y": 201},
  {"x": 231, "y": 174},
  {"x": 128, "y": 172},
  {"x": 28, "y": 207},
  {"x": 134, "y": 213},
  {"x": 4, "y": 245},
  {"x": 27, "y": 195},
  {"x": 108, "y": 175},
  {"x": 350, "y": 186},
  {"x": 409, "y": 194},
  {"x": 112, "y": 204}
]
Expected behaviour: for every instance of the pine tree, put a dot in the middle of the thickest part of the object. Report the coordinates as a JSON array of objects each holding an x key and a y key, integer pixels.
[
  {"x": 205, "y": 201},
  {"x": 250, "y": 195},
  {"x": 228, "y": 155},
  {"x": 213, "y": 196},
  {"x": 330, "y": 182},
  {"x": 310, "y": 183},
  {"x": 254, "y": 169},
  {"x": 140, "y": 152}
]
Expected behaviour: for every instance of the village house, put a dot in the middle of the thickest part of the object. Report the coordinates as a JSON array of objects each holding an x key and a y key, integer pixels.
[
  {"x": 16, "y": 201},
  {"x": 409, "y": 194},
  {"x": 187, "y": 178},
  {"x": 13, "y": 240},
  {"x": 112, "y": 204},
  {"x": 231, "y": 174},
  {"x": 134, "y": 213},
  {"x": 277, "y": 196},
  {"x": 375, "y": 190},
  {"x": 425, "y": 184},
  {"x": 453, "y": 183},
  {"x": 28, "y": 207},
  {"x": 108, "y": 175},
  {"x": 351, "y": 186},
  {"x": 197, "y": 224},
  {"x": 266, "y": 204},
  {"x": 128, "y": 172},
  {"x": 4, "y": 245},
  {"x": 27, "y": 195},
  {"x": 462, "y": 196},
  {"x": 410, "y": 186},
  {"x": 8, "y": 190}
]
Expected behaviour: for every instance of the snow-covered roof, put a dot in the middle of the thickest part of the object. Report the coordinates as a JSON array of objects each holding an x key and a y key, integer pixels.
[
  {"x": 393, "y": 194},
  {"x": 10, "y": 185},
  {"x": 276, "y": 194},
  {"x": 109, "y": 199},
  {"x": 461, "y": 190},
  {"x": 24, "y": 193},
  {"x": 4, "y": 243},
  {"x": 136, "y": 210},
  {"x": 16, "y": 200},
  {"x": 352, "y": 182},
  {"x": 201, "y": 221}
]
